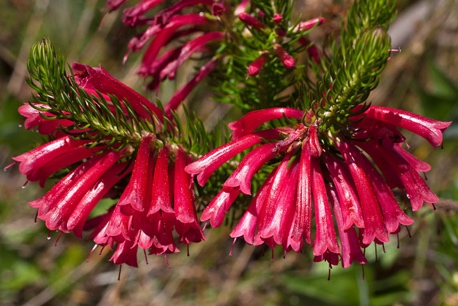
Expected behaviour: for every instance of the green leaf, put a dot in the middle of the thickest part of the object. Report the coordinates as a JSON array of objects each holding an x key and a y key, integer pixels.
[
  {"x": 443, "y": 85},
  {"x": 345, "y": 286},
  {"x": 442, "y": 101}
]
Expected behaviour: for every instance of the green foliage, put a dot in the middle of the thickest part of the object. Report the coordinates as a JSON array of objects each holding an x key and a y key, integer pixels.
[
  {"x": 94, "y": 117},
  {"x": 10, "y": 135},
  {"x": 441, "y": 101},
  {"x": 103, "y": 121},
  {"x": 31, "y": 266},
  {"x": 244, "y": 44},
  {"x": 353, "y": 69}
]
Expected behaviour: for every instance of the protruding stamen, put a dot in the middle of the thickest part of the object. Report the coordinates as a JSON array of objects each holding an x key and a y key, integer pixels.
[
  {"x": 232, "y": 246},
  {"x": 146, "y": 256},
  {"x": 92, "y": 251},
  {"x": 9, "y": 166},
  {"x": 58, "y": 237},
  {"x": 408, "y": 232},
  {"x": 167, "y": 261}
]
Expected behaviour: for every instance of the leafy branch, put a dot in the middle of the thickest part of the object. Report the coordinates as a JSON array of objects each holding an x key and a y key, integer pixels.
[{"x": 354, "y": 68}]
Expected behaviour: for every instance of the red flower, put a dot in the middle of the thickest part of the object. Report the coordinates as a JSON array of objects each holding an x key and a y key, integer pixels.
[
  {"x": 94, "y": 80},
  {"x": 427, "y": 128},
  {"x": 37, "y": 118},
  {"x": 183, "y": 92},
  {"x": 321, "y": 172},
  {"x": 187, "y": 223},
  {"x": 251, "y": 21},
  {"x": 39, "y": 163},
  {"x": 56, "y": 207},
  {"x": 155, "y": 193},
  {"x": 145, "y": 216},
  {"x": 186, "y": 28},
  {"x": 287, "y": 60},
  {"x": 254, "y": 68},
  {"x": 167, "y": 26},
  {"x": 309, "y": 24}
]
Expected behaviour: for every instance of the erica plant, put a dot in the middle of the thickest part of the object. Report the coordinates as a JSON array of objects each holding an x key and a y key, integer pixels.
[{"x": 310, "y": 165}]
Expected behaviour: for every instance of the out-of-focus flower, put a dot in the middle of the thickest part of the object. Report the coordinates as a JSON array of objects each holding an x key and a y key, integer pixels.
[
  {"x": 251, "y": 21},
  {"x": 200, "y": 32},
  {"x": 204, "y": 29},
  {"x": 322, "y": 179},
  {"x": 287, "y": 60},
  {"x": 254, "y": 68}
]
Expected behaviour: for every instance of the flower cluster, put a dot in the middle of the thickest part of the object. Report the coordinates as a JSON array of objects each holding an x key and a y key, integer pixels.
[
  {"x": 165, "y": 28},
  {"x": 322, "y": 179},
  {"x": 337, "y": 163},
  {"x": 205, "y": 29},
  {"x": 155, "y": 193}
]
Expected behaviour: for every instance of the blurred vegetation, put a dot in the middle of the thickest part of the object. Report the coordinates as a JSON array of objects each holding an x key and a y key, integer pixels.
[{"x": 35, "y": 270}]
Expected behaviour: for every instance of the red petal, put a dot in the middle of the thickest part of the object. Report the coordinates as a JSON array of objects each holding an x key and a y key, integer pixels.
[
  {"x": 246, "y": 227},
  {"x": 250, "y": 164},
  {"x": 349, "y": 241},
  {"x": 325, "y": 236},
  {"x": 187, "y": 50},
  {"x": 207, "y": 164},
  {"x": 427, "y": 128},
  {"x": 161, "y": 198},
  {"x": 374, "y": 226},
  {"x": 346, "y": 192},
  {"x": 80, "y": 213},
  {"x": 101, "y": 80},
  {"x": 218, "y": 207},
  {"x": 248, "y": 123},
  {"x": 57, "y": 205},
  {"x": 303, "y": 214},
  {"x": 135, "y": 195}
]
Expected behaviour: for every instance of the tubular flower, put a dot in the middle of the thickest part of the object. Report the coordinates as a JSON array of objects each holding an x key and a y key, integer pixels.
[
  {"x": 156, "y": 202},
  {"x": 325, "y": 190},
  {"x": 148, "y": 211},
  {"x": 328, "y": 175},
  {"x": 204, "y": 29},
  {"x": 254, "y": 68},
  {"x": 36, "y": 117},
  {"x": 146, "y": 215},
  {"x": 168, "y": 26},
  {"x": 98, "y": 80}
]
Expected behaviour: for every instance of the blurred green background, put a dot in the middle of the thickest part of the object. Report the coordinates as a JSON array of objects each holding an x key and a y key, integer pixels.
[{"x": 37, "y": 271}]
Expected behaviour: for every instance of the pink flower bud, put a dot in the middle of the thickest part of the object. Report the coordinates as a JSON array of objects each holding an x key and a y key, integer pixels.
[
  {"x": 256, "y": 65},
  {"x": 217, "y": 9},
  {"x": 251, "y": 21},
  {"x": 287, "y": 60},
  {"x": 277, "y": 18},
  {"x": 308, "y": 24}
]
